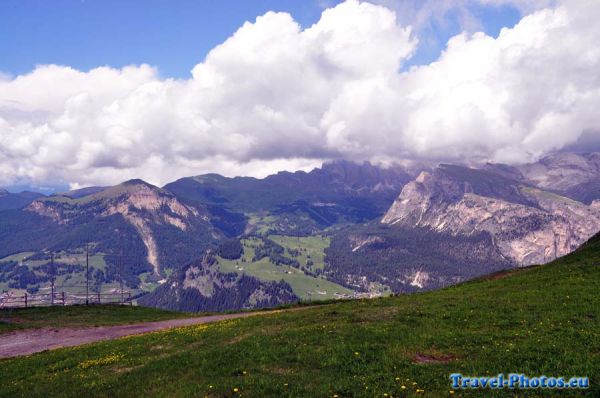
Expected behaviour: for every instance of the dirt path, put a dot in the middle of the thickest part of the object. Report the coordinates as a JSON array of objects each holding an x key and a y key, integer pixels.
[{"x": 28, "y": 342}]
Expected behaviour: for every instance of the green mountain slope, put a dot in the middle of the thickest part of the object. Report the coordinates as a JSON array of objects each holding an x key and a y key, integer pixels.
[
  {"x": 153, "y": 230},
  {"x": 202, "y": 286},
  {"x": 11, "y": 201},
  {"x": 408, "y": 259},
  {"x": 540, "y": 320},
  {"x": 300, "y": 202}
]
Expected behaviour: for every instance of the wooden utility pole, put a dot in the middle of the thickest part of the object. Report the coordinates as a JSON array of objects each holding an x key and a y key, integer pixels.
[
  {"x": 52, "y": 278},
  {"x": 87, "y": 273},
  {"x": 121, "y": 276}
]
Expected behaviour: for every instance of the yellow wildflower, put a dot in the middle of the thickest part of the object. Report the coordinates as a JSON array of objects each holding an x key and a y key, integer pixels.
[{"x": 112, "y": 358}]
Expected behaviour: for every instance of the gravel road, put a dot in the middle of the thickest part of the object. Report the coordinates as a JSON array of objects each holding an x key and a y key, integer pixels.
[{"x": 26, "y": 342}]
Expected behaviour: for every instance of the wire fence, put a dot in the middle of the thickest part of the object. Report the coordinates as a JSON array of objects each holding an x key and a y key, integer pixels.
[
  {"x": 62, "y": 294},
  {"x": 26, "y": 300}
]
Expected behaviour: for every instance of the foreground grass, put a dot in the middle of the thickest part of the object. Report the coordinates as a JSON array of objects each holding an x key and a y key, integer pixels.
[
  {"x": 543, "y": 320},
  {"x": 80, "y": 316}
]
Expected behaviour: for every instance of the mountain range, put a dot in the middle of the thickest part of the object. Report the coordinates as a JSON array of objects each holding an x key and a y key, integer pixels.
[
  {"x": 10, "y": 200},
  {"x": 456, "y": 222},
  {"x": 343, "y": 230}
]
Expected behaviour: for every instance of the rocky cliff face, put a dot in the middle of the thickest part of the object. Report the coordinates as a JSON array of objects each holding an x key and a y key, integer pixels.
[
  {"x": 361, "y": 178},
  {"x": 142, "y": 205},
  {"x": 528, "y": 225}
]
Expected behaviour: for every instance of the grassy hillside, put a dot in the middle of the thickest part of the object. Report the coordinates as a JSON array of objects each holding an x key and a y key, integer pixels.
[
  {"x": 541, "y": 320},
  {"x": 309, "y": 247},
  {"x": 306, "y": 287},
  {"x": 80, "y": 316}
]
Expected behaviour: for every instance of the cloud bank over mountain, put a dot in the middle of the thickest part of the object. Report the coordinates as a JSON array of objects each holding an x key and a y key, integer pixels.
[{"x": 277, "y": 96}]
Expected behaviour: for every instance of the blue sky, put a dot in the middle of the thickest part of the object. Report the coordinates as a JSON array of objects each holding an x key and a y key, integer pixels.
[
  {"x": 171, "y": 35},
  {"x": 433, "y": 36}
]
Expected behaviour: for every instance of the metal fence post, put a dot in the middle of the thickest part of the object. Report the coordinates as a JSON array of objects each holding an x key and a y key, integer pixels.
[
  {"x": 25, "y": 300},
  {"x": 63, "y": 298},
  {"x": 130, "y": 300},
  {"x": 98, "y": 297}
]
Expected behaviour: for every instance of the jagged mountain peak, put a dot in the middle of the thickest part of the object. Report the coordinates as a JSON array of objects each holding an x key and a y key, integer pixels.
[
  {"x": 487, "y": 175},
  {"x": 576, "y": 175},
  {"x": 358, "y": 173},
  {"x": 505, "y": 170},
  {"x": 363, "y": 174},
  {"x": 449, "y": 183},
  {"x": 583, "y": 160},
  {"x": 528, "y": 224},
  {"x": 349, "y": 191}
]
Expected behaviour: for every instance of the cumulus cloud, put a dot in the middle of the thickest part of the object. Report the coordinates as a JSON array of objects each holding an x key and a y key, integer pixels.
[{"x": 277, "y": 96}]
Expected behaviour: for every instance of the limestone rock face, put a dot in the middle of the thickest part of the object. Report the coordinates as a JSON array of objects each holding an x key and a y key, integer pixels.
[
  {"x": 528, "y": 225},
  {"x": 142, "y": 205}
]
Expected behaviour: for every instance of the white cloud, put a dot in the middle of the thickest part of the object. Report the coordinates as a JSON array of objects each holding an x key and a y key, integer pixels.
[{"x": 275, "y": 96}]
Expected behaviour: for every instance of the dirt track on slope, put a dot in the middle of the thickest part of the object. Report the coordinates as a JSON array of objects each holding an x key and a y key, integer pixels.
[{"x": 28, "y": 342}]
